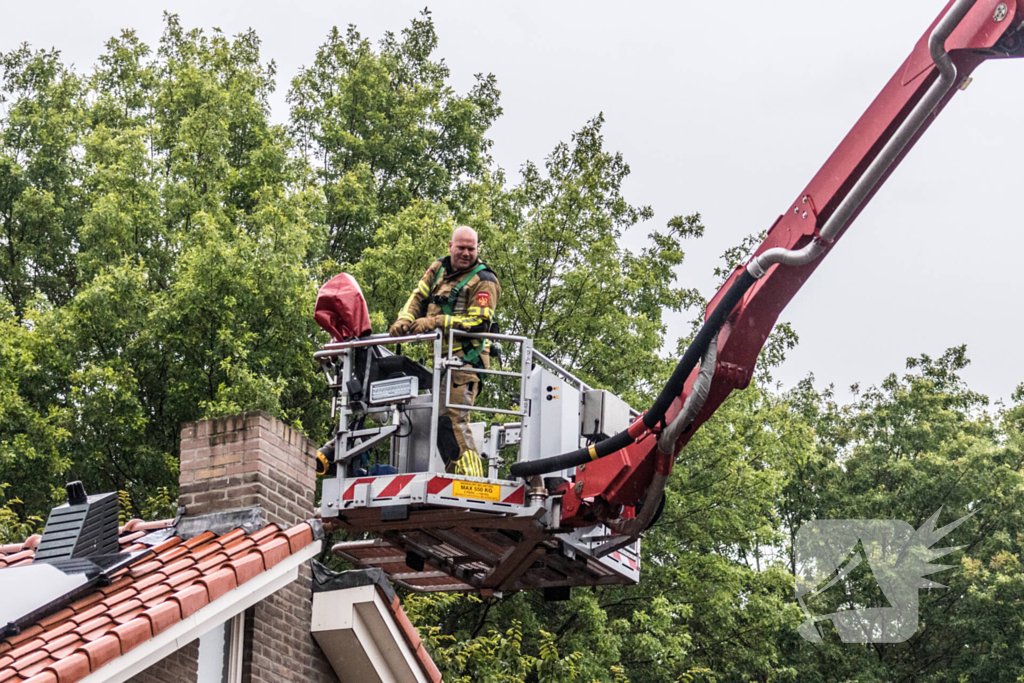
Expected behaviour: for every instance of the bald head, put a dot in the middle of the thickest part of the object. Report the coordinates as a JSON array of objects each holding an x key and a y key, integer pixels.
[{"x": 462, "y": 247}]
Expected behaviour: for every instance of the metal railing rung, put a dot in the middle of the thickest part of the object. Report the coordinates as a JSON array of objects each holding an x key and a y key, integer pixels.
[{"x": 484, "y": 409}]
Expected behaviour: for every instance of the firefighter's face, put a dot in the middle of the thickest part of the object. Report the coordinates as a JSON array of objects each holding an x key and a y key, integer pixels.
[{"x": 462, "y": 249}]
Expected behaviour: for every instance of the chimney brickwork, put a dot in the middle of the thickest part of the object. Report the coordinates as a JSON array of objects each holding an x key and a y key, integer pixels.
[
  {"x": 237, "y": 462},
  {"x": 248, "y": 459}
]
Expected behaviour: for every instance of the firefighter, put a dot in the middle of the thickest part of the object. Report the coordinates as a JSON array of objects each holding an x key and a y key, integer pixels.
[{"x": 460, "y": 292}]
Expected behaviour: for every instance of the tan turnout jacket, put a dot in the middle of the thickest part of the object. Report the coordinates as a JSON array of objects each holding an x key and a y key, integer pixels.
[{"x": 473, "y": 311}]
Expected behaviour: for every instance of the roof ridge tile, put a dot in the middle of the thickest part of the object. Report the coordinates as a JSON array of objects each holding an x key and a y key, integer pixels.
[
  {"x": 129, "y": 526},
  {"x": 18, "y": 557}
]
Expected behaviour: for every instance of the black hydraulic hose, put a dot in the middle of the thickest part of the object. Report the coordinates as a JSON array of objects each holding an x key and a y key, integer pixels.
[
  {"x": 672, "y": 390},
  {"x": 698, "y": 347},
  {"x": 573, "y": 458}
]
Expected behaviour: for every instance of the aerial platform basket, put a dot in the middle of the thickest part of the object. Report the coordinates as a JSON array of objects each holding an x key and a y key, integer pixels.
[{"x": 437, "y": 531}]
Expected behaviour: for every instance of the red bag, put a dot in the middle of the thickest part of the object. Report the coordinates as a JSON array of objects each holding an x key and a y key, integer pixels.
[{"x": 341, "y": 309}]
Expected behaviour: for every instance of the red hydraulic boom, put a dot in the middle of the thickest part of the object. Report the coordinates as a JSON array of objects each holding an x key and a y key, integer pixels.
[{"x": 615, "y": 474}]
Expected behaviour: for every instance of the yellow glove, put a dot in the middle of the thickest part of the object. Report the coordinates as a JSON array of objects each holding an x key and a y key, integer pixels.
[
  {"x": 424, "y": 325},
  {"x": 400, "y": 328},
  {"x": 322, "y": 464}
]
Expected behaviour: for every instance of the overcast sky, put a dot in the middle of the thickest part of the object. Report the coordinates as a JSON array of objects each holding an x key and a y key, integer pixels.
[{"x": 726, "y": 108}]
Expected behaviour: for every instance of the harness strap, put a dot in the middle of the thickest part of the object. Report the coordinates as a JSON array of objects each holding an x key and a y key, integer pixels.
[
  {"x": 447, "y": 303},
  {"x": 471, "y": 352}
]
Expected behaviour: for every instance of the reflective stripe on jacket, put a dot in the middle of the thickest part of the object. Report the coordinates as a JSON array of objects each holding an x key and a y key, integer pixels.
[{"x": 474, "y": 309}]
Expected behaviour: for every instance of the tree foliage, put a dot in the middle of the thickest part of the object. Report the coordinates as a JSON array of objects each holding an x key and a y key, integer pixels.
[
  {"x": 161, "y": 245},
  {"x": 158, "y": 252},
  {"x": 383, "y": 129}
]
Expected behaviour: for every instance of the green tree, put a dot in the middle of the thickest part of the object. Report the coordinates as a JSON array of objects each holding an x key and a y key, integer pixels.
[
  {"x": 590, "y": 303},
  {"x": 161, "y": 243},
  {"x": 31, "y": 461},
  {"x": 384, "y": 128},
  {"x": 555, "y": 242},
  {"x": 191, "y": 249},
  {"x": 905, "y": 449},
  {"x": 40, "y": 207}
]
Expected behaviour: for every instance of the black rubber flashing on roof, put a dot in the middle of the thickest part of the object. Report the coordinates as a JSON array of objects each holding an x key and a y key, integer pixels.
[
  {"x": 249, "y": 519},
  {"x": 326, "y": 580}
]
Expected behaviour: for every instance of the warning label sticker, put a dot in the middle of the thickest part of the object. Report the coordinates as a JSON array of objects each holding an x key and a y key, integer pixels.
[{"x": 476, "y": 490}]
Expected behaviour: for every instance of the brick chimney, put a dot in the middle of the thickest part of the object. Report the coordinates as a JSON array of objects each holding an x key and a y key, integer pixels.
[
  {"x": 238, "y": 462},
  {"x": 244, "y": 460}
]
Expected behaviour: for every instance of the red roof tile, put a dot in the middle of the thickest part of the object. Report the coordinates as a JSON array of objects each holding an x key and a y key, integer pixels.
[
  {"x": 412, "y": 637},
  {"x": 218, "y": 583},
  {"x": 102, "y": 651},
  {"x": 132, "y": 633},
  {"x": 179, "y": 579},
  {"x": 15, "y": 554},
  {"x": 246, "y": 567}
]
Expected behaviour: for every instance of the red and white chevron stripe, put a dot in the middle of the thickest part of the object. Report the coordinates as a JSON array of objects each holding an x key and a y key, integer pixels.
[{"x": 440, "y": 489}]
